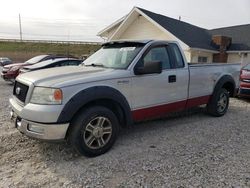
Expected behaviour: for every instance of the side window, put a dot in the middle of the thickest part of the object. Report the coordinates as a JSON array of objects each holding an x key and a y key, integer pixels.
[
  {"x": 179, "y": 63},
  {"x": 158, "y": 54},
  {"x": 63, "y": 63},
  {"x": 73, "y": 63}
]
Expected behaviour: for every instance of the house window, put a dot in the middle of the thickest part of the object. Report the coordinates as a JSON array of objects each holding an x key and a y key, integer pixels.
[{"x": 202, "y": 59}]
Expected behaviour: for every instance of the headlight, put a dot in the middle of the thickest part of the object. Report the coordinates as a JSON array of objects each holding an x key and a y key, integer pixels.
[
  {"x": 14, "y": 68},
  {"x": 43, "y": 95},
  {"x": 21, "y": 71}
]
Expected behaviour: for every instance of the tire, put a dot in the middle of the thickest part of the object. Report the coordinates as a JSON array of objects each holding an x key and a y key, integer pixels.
[
  {"x": 93, "y": 131},
  {"x": 219, "y": 102}
]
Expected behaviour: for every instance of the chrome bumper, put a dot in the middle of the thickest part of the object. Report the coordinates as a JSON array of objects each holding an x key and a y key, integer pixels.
[{"x": 50, "y": 132}]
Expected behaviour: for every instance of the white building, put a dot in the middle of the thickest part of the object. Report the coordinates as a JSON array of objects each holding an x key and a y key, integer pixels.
[{"x": 230, "y": 44}]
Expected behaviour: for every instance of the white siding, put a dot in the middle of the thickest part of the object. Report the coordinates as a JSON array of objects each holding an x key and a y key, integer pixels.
[
  {"x": 245, "y": 58},
  {"x": 234, "y": 58},
  {"x": 196, "y": 54},
  {"x": 142, "y": 29},
  {"x": 248, "y": 58},
  {"x": 187, "y": 55},
  {"x": 239, "y": 58}
]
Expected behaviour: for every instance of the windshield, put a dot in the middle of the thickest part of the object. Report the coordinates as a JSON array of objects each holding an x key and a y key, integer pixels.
[
  {"x": 35, "y": 59},
  {"x": 247, "y": 67},
  {"x": 117, "y": 55}
]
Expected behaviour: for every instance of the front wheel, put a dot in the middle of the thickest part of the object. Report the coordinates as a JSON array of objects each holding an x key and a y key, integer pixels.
[
  {"x": 94, "y": 131},
  {"x": 219, "y": 102}
]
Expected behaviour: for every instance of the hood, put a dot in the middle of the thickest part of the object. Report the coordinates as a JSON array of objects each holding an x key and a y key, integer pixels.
[
  {"x": 44, "y": 64},
  {"x": 29, "y": 67},
  {"x": 69, "y": 75},
  {"x": 13, "y": 65}
]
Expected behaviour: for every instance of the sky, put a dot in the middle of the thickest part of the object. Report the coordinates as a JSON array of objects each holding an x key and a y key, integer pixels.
[{"x": 81, "y": 20}]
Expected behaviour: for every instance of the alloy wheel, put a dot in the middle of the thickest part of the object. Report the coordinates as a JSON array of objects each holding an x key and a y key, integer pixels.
[{"x": 98, "y": 132}]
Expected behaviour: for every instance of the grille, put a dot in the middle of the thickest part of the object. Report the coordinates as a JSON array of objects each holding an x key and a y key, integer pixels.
[
  {"x": 246, "y": 80},
  {"x": 20, "y": 91}
]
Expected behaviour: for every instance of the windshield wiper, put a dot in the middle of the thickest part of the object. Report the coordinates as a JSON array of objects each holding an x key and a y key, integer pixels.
[{"x": 95, "y": 65}]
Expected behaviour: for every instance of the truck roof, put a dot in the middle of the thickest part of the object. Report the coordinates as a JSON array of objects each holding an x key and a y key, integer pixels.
[{"x": 126, "y": 41}]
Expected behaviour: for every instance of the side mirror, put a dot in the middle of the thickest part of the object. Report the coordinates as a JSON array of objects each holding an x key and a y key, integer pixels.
[{"x": 149, "y": 67}]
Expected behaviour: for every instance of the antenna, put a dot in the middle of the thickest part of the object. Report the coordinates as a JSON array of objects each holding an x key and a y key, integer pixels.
[{"x": 20, "y": 28}]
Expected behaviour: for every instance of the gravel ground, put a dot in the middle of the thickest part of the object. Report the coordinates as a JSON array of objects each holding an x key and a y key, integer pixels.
[{"x": 189, "y": 149}]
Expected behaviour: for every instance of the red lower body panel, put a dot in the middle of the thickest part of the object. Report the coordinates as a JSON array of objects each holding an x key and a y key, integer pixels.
[
  {"x": 245, "y": 85},
  {"x": 197, "y": 101},
  {"x": 161, "y": 110}
]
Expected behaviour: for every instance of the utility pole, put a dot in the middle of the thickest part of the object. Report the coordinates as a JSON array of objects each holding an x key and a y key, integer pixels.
[
  {"x": 20, "y": 28},
  {"x": 68, "y": 43}
]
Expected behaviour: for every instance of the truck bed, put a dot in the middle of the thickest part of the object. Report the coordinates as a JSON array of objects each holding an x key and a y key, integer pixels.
[{"x": 203, "y": 77}]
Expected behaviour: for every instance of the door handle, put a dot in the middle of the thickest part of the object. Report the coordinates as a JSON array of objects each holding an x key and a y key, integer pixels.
[{"x": 171, "y": 78}]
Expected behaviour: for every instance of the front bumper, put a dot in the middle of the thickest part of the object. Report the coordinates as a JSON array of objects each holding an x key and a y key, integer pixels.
[
  {"x": 42, "y": 131},
  {"x": 47, "y": 114},
  {"x": 244, "y": 92}
]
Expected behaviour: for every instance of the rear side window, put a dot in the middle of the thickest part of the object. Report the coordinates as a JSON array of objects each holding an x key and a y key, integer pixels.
[
  {"x": 179, "y": 63},
  {"x": 73, "y": 62},
  {"x": 158, "y": 54},
  {"x": 67, "y": 63}
]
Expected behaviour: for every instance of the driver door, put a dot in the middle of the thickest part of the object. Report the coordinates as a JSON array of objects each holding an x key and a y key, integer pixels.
[{"x": 151, "y": 93}]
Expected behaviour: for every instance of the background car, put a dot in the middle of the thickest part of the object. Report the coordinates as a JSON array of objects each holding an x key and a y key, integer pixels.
[
  {"x": 52, "y": 63},
  {"x": 5, "y": 61},
  {"x": 245, "y": 81},
  {"x": 10, "y": 72}
]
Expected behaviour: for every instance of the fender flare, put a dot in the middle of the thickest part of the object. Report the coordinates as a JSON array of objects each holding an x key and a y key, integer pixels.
[
  {"x": 222, "y": 81},
  {"x": 90, "y": 95}
]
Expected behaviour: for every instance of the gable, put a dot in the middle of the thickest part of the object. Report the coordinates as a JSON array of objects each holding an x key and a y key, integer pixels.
[
  {"x": 107, "y": 34},
  {"x": 141, "y": 28},
  {"x": 138, "y": 27},
  {"x": 109, "y": 30}
]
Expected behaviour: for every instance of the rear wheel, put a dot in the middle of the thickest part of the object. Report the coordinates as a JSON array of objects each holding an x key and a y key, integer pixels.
[
  {"x": 219, "y": 102},
  {"x": 94, "y": 131}
]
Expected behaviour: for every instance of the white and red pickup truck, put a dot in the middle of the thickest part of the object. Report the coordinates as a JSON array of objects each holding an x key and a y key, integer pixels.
[{"x": 122, "y": 83}]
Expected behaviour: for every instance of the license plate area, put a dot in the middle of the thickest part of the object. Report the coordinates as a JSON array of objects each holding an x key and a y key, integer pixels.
[{"x": 17, "y": 120}]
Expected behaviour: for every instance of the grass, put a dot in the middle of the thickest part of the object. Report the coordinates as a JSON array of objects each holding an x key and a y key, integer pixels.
[{"x": 47, "y": 48}]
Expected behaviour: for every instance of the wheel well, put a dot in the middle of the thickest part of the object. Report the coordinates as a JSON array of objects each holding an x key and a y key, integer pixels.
[
  {"x": 229, "y": 86},
  {"x": 111, "y": 105}
]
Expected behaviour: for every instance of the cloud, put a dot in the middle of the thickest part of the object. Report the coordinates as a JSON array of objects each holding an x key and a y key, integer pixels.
[{"x": 83, "y": 19}]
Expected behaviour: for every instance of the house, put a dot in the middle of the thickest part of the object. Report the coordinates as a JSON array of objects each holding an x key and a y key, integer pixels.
[{"x": 228, "y": 44}]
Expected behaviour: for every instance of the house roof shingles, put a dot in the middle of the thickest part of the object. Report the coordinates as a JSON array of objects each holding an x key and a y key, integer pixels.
[
  {"x": 197, "y": 37},
  {"x": 240, "y": 36}
]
